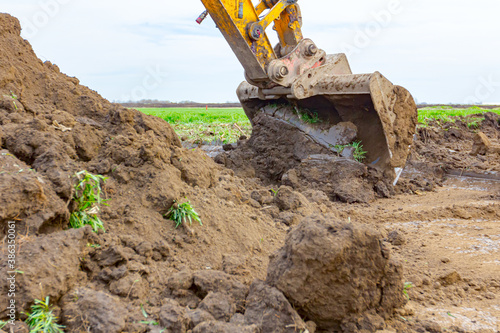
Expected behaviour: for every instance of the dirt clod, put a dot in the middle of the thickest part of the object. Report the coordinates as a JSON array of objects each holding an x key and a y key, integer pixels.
[
  {"x": 28, "y": 197},
  {"x": 450, "y": 278},
  {"x": 173, "y": 317},
  {"x": 396, "y": 237},
  {"x": 288, "y": 199},
  {"x": 330, "y": 270},
  {"x": 88, "y": 310},
  {"x": 220, "y": 305},
  {"x": 198, "y": 316},
  {"x": 57, "y": 258},
  {"x": 481, "y": 144},
  {"x": 341, "y": 179},
  {"x": 217, "y": 281},
  {"x": 268, "y": 308}
]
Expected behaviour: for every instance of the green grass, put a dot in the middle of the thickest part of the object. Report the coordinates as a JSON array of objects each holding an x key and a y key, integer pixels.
[
  {"x": 197, "y": 115},
  {"x": 445, "y": 114},
  {"x": 88, "y": 198},
  {"x": 226, "y": 125},
  {"x": 198, "y": 125},
  {"x": 307, "y": 115},
  {"x": 41, "y": 319},
  {"x": 359, "y": 153},
  {"x": 182, "y": 213},
  {"x": 407, "y": 286}
]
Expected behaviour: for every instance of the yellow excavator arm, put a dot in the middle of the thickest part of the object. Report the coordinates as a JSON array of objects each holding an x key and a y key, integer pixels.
[
  {"x": 245, "y": 31},
  {"x": 296, "y": 77}
]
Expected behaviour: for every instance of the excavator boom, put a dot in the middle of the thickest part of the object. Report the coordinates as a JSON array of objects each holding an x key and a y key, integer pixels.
[{"x": 296, "y": 80}]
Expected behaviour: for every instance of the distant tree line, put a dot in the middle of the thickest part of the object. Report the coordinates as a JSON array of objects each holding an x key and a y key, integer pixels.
[
  {"x": 154, "y": 103},
  {"x": 150, "y": 103}
]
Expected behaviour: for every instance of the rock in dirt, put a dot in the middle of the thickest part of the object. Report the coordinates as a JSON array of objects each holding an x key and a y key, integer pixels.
[
  {"x": 330, "y": 270},
  {"x": 481, "y": 144},
  {"x": 220, "y": 327},
  {"x": 93, "y": 311},
  {"x": 173, "y": 317},
  {"x": 268, "y": 308},
  {"x": 348, "y": 152},
  {"x": 54, "y": 270}
]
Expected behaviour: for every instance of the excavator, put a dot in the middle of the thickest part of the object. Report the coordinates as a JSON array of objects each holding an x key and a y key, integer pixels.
[{"x": 314, "y": 84}]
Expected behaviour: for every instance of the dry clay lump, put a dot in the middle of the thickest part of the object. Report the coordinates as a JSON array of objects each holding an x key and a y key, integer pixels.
[{"x": 332, "y": 271}]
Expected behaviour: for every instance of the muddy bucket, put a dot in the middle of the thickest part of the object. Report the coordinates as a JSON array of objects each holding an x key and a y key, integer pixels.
[{"x": 334, "y": 108}]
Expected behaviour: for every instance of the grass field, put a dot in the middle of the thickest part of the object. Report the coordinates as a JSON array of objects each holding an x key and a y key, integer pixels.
[
  {"x": 445, "y": 114},
  {"x": 225, "y": 125},
  {"x": 198, "y": 125}
]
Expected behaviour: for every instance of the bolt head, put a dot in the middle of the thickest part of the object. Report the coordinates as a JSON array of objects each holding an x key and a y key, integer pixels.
[
  {"x": 311, "y": 50},
  {"x": 256, "y": 32},
  {"x": 284, "y": 71}
]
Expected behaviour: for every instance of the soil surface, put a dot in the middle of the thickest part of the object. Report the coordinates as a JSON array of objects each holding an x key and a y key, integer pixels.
[{"x": 144, "y": 275}]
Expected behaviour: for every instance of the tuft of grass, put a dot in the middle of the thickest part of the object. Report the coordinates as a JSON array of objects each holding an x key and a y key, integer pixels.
[
  {"x": 88, "y": 197},
  {"x": 182, "y": 213},
  {"x": 307, "y": 115},
  {"x": 359, "y": 154},
  {"x": 407, "y": 286},
  {"x": 14, "y": 98},
  {"x": 42, "y": 319},
  {"x": 473, "y": 122}
]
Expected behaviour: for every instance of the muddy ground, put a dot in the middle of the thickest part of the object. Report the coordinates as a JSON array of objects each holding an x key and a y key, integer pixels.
[{"x": 436, "y": 230}]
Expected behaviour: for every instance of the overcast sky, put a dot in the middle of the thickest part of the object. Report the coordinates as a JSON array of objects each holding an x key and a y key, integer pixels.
[{"x": 441, "y": 50}]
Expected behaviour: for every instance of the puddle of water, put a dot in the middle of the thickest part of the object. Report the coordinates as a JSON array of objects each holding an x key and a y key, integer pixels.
[
  {"x": 464, "y": 232},
  {"x": 471, "y": 183},
  {"x": 469, "y": 319},
  {"x": 211, "y": 150}
]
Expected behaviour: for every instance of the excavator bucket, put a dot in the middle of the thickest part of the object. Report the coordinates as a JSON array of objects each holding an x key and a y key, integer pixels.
[{"x": 334, "y": 107}]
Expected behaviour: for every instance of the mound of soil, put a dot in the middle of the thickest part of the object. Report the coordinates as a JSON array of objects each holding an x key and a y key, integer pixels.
[
  {"x": 142, "y": 274},
  {"x": 52, "y": 127},
  {"x": 458, "y": 146},
  {"x": 453, "y": 147}
]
